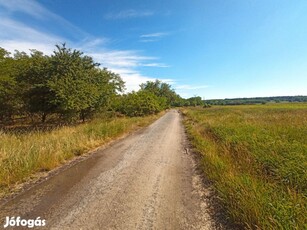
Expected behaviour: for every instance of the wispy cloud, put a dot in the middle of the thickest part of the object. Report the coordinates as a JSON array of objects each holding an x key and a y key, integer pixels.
[
  {"x": 126, "y": 14},
  {"x": 125, "y": 63},
  {"x": 191, "y": 87},
  {"x": 19, "y": 36},
  {"x": 153, "y": 37},
  {"x": 26, "y": 6},
  {"x": 131, "y": 77},
  {"x": 148, "y": 40},
  {"x": 160, "y": 65},
  {"x": 36, "y": 10},
  {"x": 122, "y": 58},
  {"x": 91, "y": 43}
]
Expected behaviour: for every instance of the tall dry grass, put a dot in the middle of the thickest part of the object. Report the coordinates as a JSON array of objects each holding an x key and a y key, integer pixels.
[
  {"x": 24, "y": 154},
  {"x": 257, "y": 158}
]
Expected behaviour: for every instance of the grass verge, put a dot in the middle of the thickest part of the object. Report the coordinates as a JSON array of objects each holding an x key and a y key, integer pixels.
[
  {"x": 22, "y": 155},
  {"x": 257, "y": 158}
]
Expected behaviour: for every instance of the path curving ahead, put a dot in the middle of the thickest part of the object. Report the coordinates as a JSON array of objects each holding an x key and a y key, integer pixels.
[{"x": 144, "y": 181}]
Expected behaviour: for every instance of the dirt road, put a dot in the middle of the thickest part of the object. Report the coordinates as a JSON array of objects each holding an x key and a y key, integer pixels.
[{"x": 145, "y": 181}]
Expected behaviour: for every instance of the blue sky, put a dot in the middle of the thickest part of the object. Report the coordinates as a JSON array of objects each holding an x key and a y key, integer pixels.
[{"x": 208, "y": 48}]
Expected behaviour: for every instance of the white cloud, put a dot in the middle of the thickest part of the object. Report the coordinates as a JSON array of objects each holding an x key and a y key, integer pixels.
[
  {"x": 17, "y": 29},
  {"x": 120, "y": 58},
  {"x": 92, "y": 44},
  {"x": 191, "y": 87},
  {"x": 131, "y": 77},
  {"x": 26, "y": 6},
  {"x": 11, "y": 46},
  {"x": 20, "y": 37},
  {"x": 36, "y": 10},
  {"x": 125, "y": 63},
  {"x": 154, "y": 35},
  {"x": 160, "y": 65},
  {"x": 125, "y": 14}
]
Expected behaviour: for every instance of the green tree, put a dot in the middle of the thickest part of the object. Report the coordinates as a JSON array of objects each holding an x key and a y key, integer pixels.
[
  {"x": 195, "y": 101},
  {"x": 33, "y": 73},
  {"x": 81, "y": 88},
  {"x": 9, "y": 99},
  {"x": 139, "y": 103},
  {"x": 167, "y": 95},
  {"x": 105, "y": 89}
]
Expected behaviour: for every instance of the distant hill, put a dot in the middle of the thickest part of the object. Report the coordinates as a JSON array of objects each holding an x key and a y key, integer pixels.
[{"x": 256, "y": 100}]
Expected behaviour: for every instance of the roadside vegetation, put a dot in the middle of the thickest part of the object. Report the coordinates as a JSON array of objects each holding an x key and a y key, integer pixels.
[
  {"x": 55, "y": 107},
  {"x": 24, "y": 154},
  {"x": 256, "y": 157}
]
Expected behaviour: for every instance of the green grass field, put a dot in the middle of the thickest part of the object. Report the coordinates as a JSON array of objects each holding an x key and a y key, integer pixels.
[
  {"x": 22, "y": 155},
  {"x": 256, "y": 157}
]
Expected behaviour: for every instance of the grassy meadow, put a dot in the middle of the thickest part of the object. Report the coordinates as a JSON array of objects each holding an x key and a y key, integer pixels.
[
  {"x": 256, "y": 157},
  {"x": 22, "y": 155}
]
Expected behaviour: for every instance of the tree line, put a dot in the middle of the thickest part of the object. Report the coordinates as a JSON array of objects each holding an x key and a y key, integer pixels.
[
  {"x": 70, "y": 86},
  {"x": 256, "y": 100}
]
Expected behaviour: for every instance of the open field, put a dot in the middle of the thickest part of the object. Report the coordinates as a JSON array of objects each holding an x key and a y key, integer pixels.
[
  {"x": 24, "y": 154},
  {"x": 256, "y": 157}
]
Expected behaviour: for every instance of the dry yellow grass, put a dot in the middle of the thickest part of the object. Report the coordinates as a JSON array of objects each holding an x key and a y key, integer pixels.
[{"x": 22, "y": 155}]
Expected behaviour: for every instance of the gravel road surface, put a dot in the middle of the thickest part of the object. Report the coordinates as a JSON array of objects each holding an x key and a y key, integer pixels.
[{"x": 147, "y": 180}]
